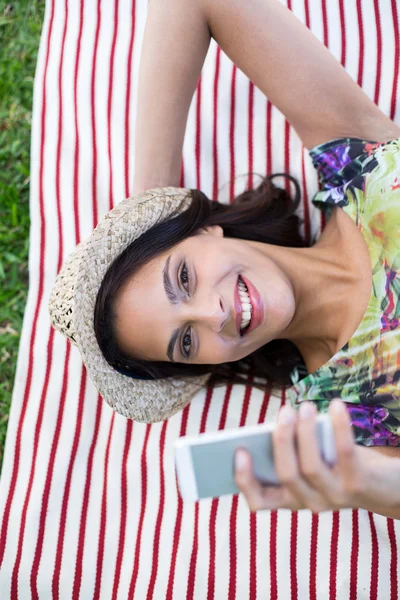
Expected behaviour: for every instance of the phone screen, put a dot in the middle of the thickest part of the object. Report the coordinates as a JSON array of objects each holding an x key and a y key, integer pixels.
[{"x": 214, "y": 469}]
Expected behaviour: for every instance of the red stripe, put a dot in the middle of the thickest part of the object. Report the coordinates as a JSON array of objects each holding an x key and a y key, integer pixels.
[
  {"x": 178, "y": 521},
  {"x": 214, "y": 508},
  {"x": 287, "y": 134},
  {"x": 306, "y": 213},
  {"x": 215, "y": 128},
  {"x": 269, "y": 138},
  {"x": 109, "y": 102},
  {"x": 361, "y": 51},
  {"x": 42, "y": 244},
  {"x": 182, "y": 179},
  {"x": 373, "y": 592},
  {"x": 156, "y": 543},
  {"x": 378, "y": 51},
  {"x": 396, "y": 59},
  {"x": 343, "y": 29},
  {"x": 293, "y": 555},
  {"x": 76, "y": 153},
  {"x": 287, "y": 154},
  {"x": 307, "y": 14},
  {"x": 93, "y": 116},
  {"x": 103, "y": 517},
  {"x": 49, "y": 477},
  {"x": 272, "y": 555},
  {"x": 124, "y": 508},
  {"x": 55, "y": 585},
  {"x": 394, "y": 592},
  {"x": 15, "y": 572},
  {"x": 325, "y": 23},
  {"x": 233, "y": 515},
  {"x": 85, "y": 505},
  {"x": 232, "y": 549},
  {"x": 264, "y": 407},
  {"x": 313, "y": 556},
  {"x": 211, "y": 532},
  {"x": 128, "y": 97},
  {"x": 195, "y": 547},
  {"x": 135, "y": 571},
  {"x": 354, "y": 555},
  {"x": 198, "y": 134},
  {"x": 232, "y": 136},
  {"x": 334, "y": 553},
  {"x": 250, "y": 136}
]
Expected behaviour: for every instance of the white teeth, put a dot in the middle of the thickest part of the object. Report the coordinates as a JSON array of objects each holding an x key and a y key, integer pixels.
[{"x": 246, "y": 305}]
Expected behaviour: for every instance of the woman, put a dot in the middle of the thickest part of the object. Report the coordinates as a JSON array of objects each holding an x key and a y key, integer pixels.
[{"x": 254, "y": 310}]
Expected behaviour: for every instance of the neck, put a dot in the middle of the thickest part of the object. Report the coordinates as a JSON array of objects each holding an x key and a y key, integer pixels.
[{"x": 322, "y": 288}]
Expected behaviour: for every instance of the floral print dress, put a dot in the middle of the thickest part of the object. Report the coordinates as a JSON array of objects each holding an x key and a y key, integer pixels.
[{"x": 363, "y": 178}]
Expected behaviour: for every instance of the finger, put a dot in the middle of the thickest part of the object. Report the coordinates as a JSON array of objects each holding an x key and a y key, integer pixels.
[
  {"x": 286, "y": 462},
  {"x": 311, "y": 464},
  {"x": 348, "y": 465},
  {"x": 250, "y": 487},
  {"x": 258, "y": 496}
]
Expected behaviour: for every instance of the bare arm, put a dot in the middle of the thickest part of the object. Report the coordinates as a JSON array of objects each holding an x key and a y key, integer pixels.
[
  {"x": 272, "y": 47},
  {"x": 295, "y": 71},
  {"x": 175, "y": 45}
]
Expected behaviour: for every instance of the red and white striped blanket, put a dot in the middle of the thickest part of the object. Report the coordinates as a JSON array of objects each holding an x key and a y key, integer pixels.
[{"x": 88, "y": 500}]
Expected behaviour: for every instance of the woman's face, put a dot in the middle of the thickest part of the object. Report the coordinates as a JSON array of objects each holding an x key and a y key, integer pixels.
[{"x": 190, "y": 304}]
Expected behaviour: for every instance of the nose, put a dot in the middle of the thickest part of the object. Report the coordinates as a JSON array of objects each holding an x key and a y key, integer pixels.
[{"x": 209, "y": 312}]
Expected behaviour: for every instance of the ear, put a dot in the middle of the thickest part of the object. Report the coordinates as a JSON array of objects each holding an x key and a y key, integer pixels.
[{"x": 214, "y": 230}]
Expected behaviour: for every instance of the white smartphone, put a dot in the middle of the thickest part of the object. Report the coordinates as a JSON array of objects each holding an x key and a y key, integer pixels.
[{"x": 205, "y": 463}]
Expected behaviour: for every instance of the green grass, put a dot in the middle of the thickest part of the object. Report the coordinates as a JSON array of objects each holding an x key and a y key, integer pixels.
[{"x": 20, "y": 27}]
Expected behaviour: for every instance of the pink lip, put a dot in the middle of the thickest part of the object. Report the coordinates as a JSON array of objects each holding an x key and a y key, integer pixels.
[{"x": 257, "y": 313}]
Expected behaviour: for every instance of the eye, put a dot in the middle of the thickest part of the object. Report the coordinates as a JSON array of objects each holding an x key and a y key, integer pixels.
[
  {"x": 184, "y": 277},
  {"x": 187, "y": 343}
]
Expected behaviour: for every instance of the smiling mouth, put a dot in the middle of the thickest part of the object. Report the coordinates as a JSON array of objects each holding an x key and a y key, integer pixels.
[{"x": 246, "y": 306}]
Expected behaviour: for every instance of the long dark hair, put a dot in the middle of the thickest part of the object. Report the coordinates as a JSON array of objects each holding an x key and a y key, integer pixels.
[{"x": 265, "y": 214}]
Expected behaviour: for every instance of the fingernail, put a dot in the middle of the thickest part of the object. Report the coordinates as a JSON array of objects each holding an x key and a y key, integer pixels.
[
  {"x": 286, "y": 415},
  {"x": 337, "y": 406},
  {"x": 240, "y": 461},
  {"x": 307, "y": 410}
]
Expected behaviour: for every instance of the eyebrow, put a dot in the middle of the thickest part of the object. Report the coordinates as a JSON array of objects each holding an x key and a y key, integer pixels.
[
  {"x": 171, "y": 345},
  {"x": 172, "y": 297},
  {"x": 169, "y": 290}
]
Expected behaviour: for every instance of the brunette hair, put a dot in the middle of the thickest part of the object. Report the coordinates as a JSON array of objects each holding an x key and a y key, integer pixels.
[{"x": 265, "y": 214}]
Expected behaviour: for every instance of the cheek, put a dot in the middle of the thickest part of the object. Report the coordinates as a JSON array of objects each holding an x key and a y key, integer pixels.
[{"x": 215, "y": 350}]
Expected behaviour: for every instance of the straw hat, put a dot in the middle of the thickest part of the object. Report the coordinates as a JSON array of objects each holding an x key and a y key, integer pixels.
[{"x": 73, "y": 300}]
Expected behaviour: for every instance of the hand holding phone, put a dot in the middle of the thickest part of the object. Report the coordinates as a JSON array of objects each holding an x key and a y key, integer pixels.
[{"x": 205, "y": 463}]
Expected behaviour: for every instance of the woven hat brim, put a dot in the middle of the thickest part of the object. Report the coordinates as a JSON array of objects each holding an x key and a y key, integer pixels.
[{"x": 73, "y": 300}]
